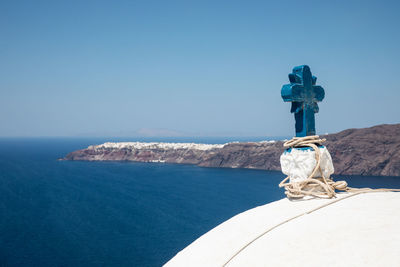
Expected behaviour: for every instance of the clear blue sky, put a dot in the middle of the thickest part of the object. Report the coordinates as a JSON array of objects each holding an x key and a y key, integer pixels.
[{"x": 72, "y": 68}]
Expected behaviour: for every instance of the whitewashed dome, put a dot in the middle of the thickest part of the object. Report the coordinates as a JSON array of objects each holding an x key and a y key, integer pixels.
[{"x": 360, "y": 230}]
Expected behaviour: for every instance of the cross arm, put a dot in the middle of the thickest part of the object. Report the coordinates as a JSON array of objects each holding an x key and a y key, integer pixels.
[
  {"x": 319, "y": 92},
  {"x": 292, "y": 93}
]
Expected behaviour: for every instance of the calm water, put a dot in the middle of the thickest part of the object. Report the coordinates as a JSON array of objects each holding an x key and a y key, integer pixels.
[{"x": 60, "y": 213}]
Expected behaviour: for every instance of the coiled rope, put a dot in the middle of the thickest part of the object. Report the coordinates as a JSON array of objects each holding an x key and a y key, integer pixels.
[{"x": 320, "y": 187}]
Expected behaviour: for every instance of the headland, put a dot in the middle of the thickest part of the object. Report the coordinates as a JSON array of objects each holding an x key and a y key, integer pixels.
[{"x": 368, "y": 151}]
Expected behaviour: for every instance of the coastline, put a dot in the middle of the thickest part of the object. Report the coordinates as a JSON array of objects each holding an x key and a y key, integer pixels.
[{"x": 367, "y": 151}]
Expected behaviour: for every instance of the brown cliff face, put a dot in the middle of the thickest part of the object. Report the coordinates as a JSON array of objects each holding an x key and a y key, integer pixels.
[
  {"x": 260, "y": 155},
  {"x": 369, "y": 151}
]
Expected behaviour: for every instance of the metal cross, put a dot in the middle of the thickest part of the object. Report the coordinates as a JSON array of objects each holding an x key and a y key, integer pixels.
[{"x": 304, "y": 95}]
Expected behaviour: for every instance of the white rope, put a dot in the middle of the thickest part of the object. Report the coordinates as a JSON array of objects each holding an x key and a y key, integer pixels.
[{"x": 321, "y": 187}]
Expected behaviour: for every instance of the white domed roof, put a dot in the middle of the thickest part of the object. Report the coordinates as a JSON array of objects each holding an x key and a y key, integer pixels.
[{"x": 359, "y": 230}]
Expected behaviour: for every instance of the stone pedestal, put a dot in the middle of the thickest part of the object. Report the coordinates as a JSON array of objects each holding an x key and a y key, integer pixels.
[{"x": 298, "y": 163}]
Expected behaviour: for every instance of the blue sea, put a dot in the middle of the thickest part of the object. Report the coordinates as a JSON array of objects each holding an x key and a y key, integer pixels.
[{"x": 71, "y": 213}]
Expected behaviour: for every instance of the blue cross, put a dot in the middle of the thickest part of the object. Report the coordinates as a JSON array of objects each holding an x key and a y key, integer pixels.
[{"x": 304, "y": 95}]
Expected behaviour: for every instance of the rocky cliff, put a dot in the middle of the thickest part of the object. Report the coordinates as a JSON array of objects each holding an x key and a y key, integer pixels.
[{"x": 368, "y": 151}]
